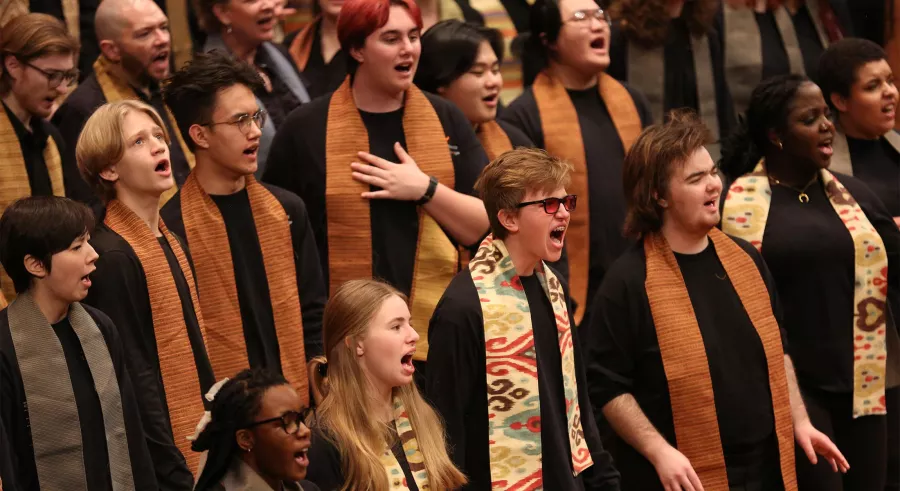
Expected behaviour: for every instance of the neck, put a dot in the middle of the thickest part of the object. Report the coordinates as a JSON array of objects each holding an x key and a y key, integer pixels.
[
  {"x": 53, "y": 308},
  {"x": 684, "y": 241},
  {"x": 852, "y": 130},
  {"x": 328, "y": 27},
  {"x": 250, "y": 460},
  {"x": 146, "y": 207},
  {"x": 524, "y": 262},
  {"x": 788, "y": 171},
  {"x": 213, "y": 179},
  {"x": 368, "y": 98},
  {"x": 241, "y": 50},
  {"x": 430, "y": 13},
  {"x": 675, "y": 8},
  {"x": 21, "y": 114},
  {"x": 134, "y": 80},
  {"x": 572, "y": 78},
  {"x": 383, "y": 401}
]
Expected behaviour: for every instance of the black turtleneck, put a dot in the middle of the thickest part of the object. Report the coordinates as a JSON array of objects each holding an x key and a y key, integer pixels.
[{"x": 876, "y": 163}]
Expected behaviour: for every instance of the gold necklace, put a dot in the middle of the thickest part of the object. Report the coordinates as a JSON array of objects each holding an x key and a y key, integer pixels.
[{"x": 804, "y": 198}]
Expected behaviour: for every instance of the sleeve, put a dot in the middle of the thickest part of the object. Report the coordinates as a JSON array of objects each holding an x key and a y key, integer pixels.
[
  {"x": 70, "y": 119},
  {"x": 471, "y": 157},
  {"x": 324, "y": 463},
  {"x": 602, "y": 476},
  {"x": 116, "y": 293},
  {"x": 452, "y": 372},
  {"x": 310, "y": 281}
]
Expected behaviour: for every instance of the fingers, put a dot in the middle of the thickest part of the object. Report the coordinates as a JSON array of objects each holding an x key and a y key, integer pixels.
[
  {"x": 373, "y": 159},
  {"x": 370, "y": 180},
  {"x": 401, "y": 153},
  {"x": 370, "y": 170},
  {"x": 381, "y": 194},
  {"x": 807, "y": 447},
  {"x": 694, "y": 479},
  {"x": 830, "y": 451}
]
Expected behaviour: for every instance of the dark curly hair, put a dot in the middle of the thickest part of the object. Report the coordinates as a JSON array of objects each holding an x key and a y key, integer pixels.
[
  {"x": 235, "y": 406},
  {"x": 769, "y": 106},
  {"x": 646, "y": 22}
]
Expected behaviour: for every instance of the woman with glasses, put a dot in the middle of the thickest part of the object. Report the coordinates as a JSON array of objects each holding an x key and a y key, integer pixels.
[
  {"x": 576, "y": 111},
  {"x": 670, "y": 52},
  {"x": 832, "y": 249},
  {"x": 257, "y": 436},
  {"x": 38, "y": 66},
  {"x": 373, "y": 429}
]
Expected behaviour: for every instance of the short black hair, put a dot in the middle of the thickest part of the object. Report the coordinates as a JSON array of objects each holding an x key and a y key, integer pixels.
[
  {"x": 545, "y": 22},
  {"x": 39, "y": 226},
  {"x": 840, "y": 62},
  {"x": 449, "y": 49},
  {"x": 191, "y": 91}
]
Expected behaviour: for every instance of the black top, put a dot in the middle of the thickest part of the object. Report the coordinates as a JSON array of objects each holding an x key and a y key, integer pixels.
[
  {"x": 90, "y": 415},
  {"x": 622, "y": 350},
  {"x": 322, "y": 77},
  {"x": 33, "y": 143},
  {"x": 297, "y": 163},
  {"x": 517, "y": 137},
  {"x": 7, "y": 469},
  {"x": 877, "y": 163},
  {"x": 120, "y": 290},
  {"x": 325, "y": 463},
  {"x": 604, "y": 154},
  {"x": 774, "y": 57},
  {"x": 281, "y": 101},
  {"x": 250, "y": 273},
  {"x": 70, "y": 119},
  {"x": 818, "y": 300},
  {"x": 457, "y": 387},
  {"x": 680, "y": 78}
]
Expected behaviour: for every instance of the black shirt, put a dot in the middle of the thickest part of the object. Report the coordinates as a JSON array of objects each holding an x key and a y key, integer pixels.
[
  {"x": 280, "y": 101},
  {"x": 33, "y": 143},
  {"x": 774, "y": 57},
  {"x": 90, "y": 414},
  {"x": 250, "y": 274},
  {"x": 322, "y": 78},
  {"x": 70, "y": 119},
  {"x": 680, "y": 78},
  {"x": 120, "y": 290},
  {"x": 877, "y": 163},
  {"x": 297, "y": 163},
  {"x": 325, "y": 463},
  {"x": 604, "y": 154},
  {"x": 457, "y": 388},
  {"x": 812, "y": 259},
  {"x": 622, "y": 351}
]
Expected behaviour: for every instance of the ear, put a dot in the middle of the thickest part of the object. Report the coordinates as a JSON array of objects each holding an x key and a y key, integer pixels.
[
  {"x": 220, "y": 10},
  {"x": 840, "y": 102},
  {"x": 11, "y": 66},
  {"x": 359, "y": 349},
  {"x": 660, "y": 201},
  {"x": 198, "y": 134},
  {"x": 34, "y": 266},
  {"x": 244, "y": 439},
  {"x": 549, "y": 45},
  {"x": 110, "y": 50},
  {"x": 509, "y": 220},
  {"x": 110, "y": 174},
  {"x": 357, "y": 55},
  {"x": 441, "y": 90},
  {"x": 774, "y": 138}
]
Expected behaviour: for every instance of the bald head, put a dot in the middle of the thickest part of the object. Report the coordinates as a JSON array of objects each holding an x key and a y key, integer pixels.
[
  {"x": 114, "y": 16},
  {"x": 135, "y": 35}
]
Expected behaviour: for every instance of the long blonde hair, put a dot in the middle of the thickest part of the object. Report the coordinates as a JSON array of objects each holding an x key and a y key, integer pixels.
[{"x": 345, "y": 411}]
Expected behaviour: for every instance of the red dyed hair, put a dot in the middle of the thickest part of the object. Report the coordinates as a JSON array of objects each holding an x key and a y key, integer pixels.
[{"x": 360, "y": 18}]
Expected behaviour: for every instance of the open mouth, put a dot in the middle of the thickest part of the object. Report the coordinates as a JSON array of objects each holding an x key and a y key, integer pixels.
[
  {"x": 404, "y": 67},
  {"x": 826, "y": 148},
  {"x": 491, "y": 100},
  {"x": 162, "y": 57},
  {"x": 265, "y": 21},
  {"x": 86, "y": 280},
  {"x": 251, "y": 150},
  {"x": 599, "y": 43},
  {"x": 407, "y": 363},
  {"x": 302, "y": 457},
  {"x": 888, "y": 108},
  {"x": 712, "y": 204},
  {"x": 557, "y": 235},
  {"x": 162, "y": 167}
]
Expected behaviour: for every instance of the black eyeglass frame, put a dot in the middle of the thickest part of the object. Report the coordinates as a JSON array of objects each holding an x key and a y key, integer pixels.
[
  {"x": 547, "y": 201},
  {"x": 242, "y": 123},
  {"x": 71, "y": 75},
  {"x": 302, "y": 417}
]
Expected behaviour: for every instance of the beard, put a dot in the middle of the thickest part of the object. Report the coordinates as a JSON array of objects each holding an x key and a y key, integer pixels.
[{"x": 137, "y": 69}]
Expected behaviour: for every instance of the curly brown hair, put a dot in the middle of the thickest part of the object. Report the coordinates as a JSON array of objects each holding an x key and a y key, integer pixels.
[{"x": 646, "y": 22}]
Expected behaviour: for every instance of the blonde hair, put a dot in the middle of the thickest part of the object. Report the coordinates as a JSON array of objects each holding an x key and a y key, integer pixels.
[
  {"x": 33, "y": 36},
  {"x": 102, "y": 142},
  {"x": 345, "y": 412},
  {"x": 504, "y": 182}
]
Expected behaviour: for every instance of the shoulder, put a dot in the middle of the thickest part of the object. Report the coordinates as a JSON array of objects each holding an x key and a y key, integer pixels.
[
  {"x": 459, "y": 305},
  {"x": 447, "y": 111},
  {"x": 52, "y": 131},
  {"x": 627, "y": 272},
  {"x": 750, "y": 250},
  {"x": 640, "y": 102},
  {"x": 85, "y": 99},
  {"x": 293, "y": 205},
  {"x": 525, "y": 102},
  {"x": 516, "y": 136},
  {"x": 313, "y": 112},
  {"x": 104, "y": 323},
  {"x": 105, "y": 241},
  {"x": 171, "y": 212}
]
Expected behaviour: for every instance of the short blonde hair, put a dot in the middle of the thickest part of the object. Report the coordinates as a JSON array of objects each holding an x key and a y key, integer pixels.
[
  {"x": 504, "y": 182},
  {"x": 102, "y": 143}
]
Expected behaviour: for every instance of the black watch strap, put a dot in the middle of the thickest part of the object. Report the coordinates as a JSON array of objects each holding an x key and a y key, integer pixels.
[{"x": 429, "y": 193}]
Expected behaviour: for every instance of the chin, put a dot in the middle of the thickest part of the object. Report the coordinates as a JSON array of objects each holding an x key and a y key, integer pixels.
[{"x": 160, "y": 75}]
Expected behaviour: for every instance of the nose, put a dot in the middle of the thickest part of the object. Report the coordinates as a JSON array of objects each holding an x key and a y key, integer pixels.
[
  {"x": 892, "y": 92},
  {"x": 92, "y": 253},
  {"x": 63, "y": 88},
  {"x": 163, "y": 37},
  {"x": 255, "y": 132},
  {"x": 714, "y": 184},
  {"x": 413, "y": 335},
  {"x": 493, "y": 80},
  {"x": 303, "y": 432},
  {"x": 562, "y": 211},
  {"x": 159, "y": 146}
]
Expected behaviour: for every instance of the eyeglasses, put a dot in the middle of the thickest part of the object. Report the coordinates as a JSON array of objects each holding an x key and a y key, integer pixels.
[
  {"x": 551, "y": 205},
  {"x": 291, "y": 420},
  {"x": 243, "y": 123},
  {"x": 56, "y": 77},
  {"x": 581, "y": 16}
]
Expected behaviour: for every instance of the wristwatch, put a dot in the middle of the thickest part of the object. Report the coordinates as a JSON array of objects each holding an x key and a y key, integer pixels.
[{"x": 429, "y": 193}]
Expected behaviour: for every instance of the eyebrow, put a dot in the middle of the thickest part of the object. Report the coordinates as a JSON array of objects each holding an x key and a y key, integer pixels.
[
  {"x": 397, "y": 319},
  {"x": 699, "y": 173}
]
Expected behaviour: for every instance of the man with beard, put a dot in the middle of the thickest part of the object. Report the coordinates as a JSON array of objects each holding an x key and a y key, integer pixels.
[{"x": 135, "y": 49}]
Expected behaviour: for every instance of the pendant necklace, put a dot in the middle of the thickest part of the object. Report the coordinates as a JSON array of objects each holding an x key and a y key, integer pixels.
[{"x": 803, "y": 197}]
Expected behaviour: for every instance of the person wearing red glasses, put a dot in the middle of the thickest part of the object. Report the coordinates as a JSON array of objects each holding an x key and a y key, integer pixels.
[
  {"x": 511, "y": 313},
  {"x": 38, "y": 60}
]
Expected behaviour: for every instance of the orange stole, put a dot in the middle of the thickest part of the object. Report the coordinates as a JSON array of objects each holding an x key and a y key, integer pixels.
[
  {"x": 14, "y": 183},
  {"x": 493, "y": 139},
  {"x": 179, "y": 373},
  {"x": 687, "y": 368},
  {"x": 349, "y": 225},
  {"x": 301, "y": 46},
  {"x": 208, "y": 240},
  {"x": 563, "y": 138}
]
